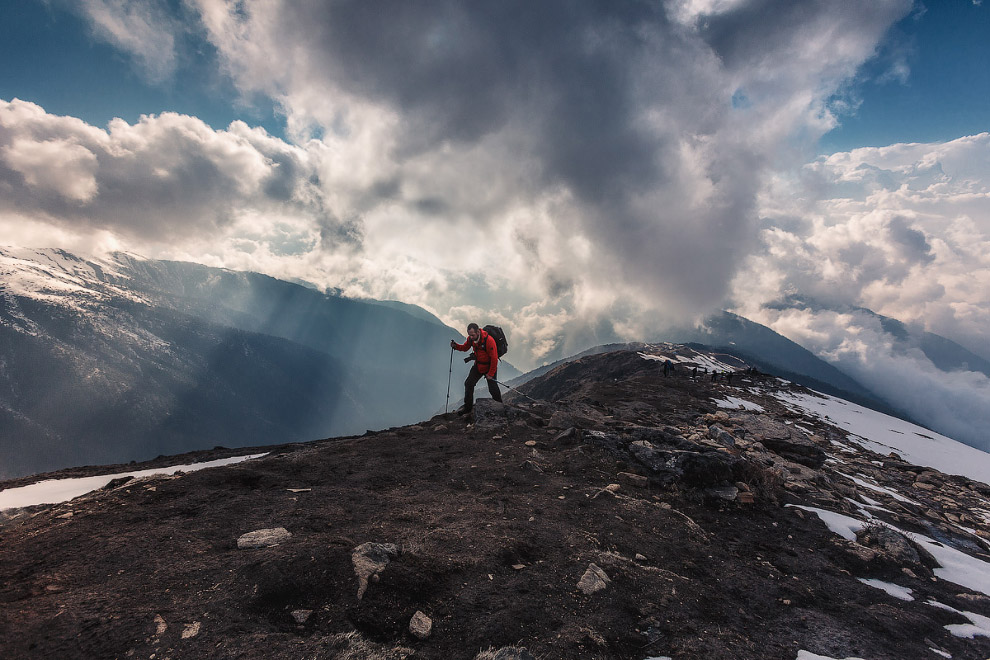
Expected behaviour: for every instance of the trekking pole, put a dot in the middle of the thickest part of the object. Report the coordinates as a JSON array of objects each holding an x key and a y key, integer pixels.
[
  {"x": 450, "y": 372},
  {"x": 516, "y": 391}
]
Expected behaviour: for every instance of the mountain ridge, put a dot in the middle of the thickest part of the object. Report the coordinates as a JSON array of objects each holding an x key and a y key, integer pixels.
[{"x": 623, "y": 514}]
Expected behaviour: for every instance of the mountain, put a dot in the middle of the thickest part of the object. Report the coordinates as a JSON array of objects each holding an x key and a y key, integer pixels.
[
  {"x": 127, "y": 358},
  {"x": 757, "y": 346},
  {"x": 615, "y": 513}
]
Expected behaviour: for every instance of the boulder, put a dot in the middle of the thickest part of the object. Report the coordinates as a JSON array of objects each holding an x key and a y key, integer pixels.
[
  {"x": 721, "y": 436},
  {"x": 263, "y": 538},
  {"x": 783, "y": 440},
  {"x": 890, "y": 543},
  {"x": 370, "y": 559}
]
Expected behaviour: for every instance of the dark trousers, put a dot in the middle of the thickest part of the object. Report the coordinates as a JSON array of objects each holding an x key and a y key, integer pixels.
[{"x": 472, "y": 379}]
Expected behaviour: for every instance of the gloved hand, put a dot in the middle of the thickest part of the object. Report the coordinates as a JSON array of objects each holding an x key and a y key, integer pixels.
[{"x": 453, "y": 344}]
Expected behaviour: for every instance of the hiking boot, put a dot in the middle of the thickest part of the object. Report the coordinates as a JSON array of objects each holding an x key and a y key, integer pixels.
[{"x": 464, "y": 410}]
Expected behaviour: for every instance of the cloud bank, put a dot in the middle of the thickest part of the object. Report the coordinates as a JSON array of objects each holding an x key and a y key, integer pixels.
[
  {"x": 573, "y": 171},
  {"x": 903, "y": 230}
]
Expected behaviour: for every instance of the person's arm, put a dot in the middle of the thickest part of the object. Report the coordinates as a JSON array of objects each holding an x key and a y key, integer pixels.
[
  {"x": 461, "y": 347},
  {"x": 493, "y": 354}
]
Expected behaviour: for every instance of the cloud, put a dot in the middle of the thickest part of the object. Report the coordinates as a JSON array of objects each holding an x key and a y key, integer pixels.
[
  {"x": 144, "y": 29},
  {"x": 901, "y": 230},
  {"x": 582, "y": 170},
  {"x": 955, "y": 403}
]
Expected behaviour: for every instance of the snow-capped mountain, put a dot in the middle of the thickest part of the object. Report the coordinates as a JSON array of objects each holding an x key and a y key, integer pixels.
[{"x": 105, "y": 361}]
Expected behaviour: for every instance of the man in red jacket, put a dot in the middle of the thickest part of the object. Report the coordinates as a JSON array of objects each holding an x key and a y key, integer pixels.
[{"x": 485, "y": 364}]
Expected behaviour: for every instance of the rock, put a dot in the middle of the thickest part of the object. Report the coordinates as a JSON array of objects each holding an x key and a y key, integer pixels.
[
  {"x": 369, "y": 560},
  {"x": 924, "y": 485},
  {"x": 640, "y": 557},
  {"x": 593, "y": 580},
  {"x": 721, "y": 436},
  {"x": 745, "y": 497},
  {"x": 630, "y": 479},
  {"x": 649, "y": 455},
  {"x": 263, "y": 538},
  {"x": 437, "y": 428},
  {"x": 420, "y": 625},
  {"x": 976, "y": 599},
  {"x": 706, "y": 469},
  {"x": 160, "y": 625},
  {"x": 301, "y": 616},
  {"x": 728, "y": 493},
  {"x": 512, "y": 653},
  {"x": 892, "y": 544},
  {"x": 490, "y": 414},
  {"x": 561, "y": 420},
  {"x": 119, "y": 481},
  {"x": 530, "y": 443},
  {"x": 569, "y": 434},
  {"x": 782, "y": 439},
  {"x": 191, "y": 630}
]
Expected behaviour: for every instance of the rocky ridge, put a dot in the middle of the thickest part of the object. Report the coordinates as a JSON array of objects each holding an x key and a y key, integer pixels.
[{"x": 606, "y": 512}]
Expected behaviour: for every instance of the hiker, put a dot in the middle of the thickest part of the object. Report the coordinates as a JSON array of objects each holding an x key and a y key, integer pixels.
[
  {"x": 485, "y": 365},
  {"x": 668, "y": 367},
  {"x": 694, "y": 374}
]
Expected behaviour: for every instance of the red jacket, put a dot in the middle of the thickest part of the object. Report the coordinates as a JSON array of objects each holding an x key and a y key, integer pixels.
[{"x": 485, "y": 351}]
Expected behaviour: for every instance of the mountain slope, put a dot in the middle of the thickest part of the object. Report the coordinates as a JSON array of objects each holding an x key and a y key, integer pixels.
[
  {"x": 623, "y": 515},
  {"x": 127, "y": 358}
]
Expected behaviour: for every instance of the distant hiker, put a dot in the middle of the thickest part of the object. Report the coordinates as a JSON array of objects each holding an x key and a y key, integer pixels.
[
  {"x": 694, "y": 374},
  {"x": 714, "y": 376},
  {"x": 728, "y": 377},
  {"x": 485, "y": 365}
]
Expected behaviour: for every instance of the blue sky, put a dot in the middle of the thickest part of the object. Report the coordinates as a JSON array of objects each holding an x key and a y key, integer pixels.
[
  {"x": 576, "y": 172},
  {"x": 945, "y": 92},
  {"x": 50, "y": 55}
]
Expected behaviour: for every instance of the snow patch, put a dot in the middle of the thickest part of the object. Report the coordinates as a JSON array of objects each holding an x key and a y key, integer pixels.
[
  {"x": 844, "y": 526},
  {"x": 897, "y": 591},
  {"x": 56, "y": 491},
  {"x": 979, "y": 626},
  {"x": 883, "y": 434},
  {"x": 735, "y": 403}
]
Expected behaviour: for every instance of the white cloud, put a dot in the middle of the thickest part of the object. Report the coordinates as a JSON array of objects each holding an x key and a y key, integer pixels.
[
  {"x": 902, "y": 230},
  {"x": 141, "y": 28},
  {"x": 579, "y": 171}
]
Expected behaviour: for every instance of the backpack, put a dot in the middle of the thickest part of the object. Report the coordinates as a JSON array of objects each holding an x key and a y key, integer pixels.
[{"x": 501, "y": 344}]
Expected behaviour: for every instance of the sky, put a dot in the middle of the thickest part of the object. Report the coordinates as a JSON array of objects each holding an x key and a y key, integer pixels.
[{"x": 574, "y": 172}]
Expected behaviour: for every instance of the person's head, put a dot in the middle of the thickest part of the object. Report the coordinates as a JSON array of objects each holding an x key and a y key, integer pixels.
[{"x": 474, "y": 331}]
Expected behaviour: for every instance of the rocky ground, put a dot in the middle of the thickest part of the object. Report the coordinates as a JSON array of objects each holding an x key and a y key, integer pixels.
[{"x": 614, "y": 514}]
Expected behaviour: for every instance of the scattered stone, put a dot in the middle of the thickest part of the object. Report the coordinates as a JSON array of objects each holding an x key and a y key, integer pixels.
[
  {"x": 420, "y": 625},
  {"x": 974, "y": 598},
  {"x": 745, "y": 497},
  {"x": 593, "y": 580},
  {"x": 191, "y": 630},
  {"x": 630, "y": 479},
  {"x": 512, "y": 653},
  {"x": 263, "y": 538},
  {"x": 299, "y": 490},
  {"x": 923, "y": 485},
  {"x": 519, "y": 567},
  {"x": 160, "y": 625},
  {"x": 437, "y": 428},
  {"x": 530, "y": 443},
  {"x": 370, "y": 559},
  {"x": 301, "y": 616},
  {"x": 570, "y": 434},
  {"x": 65, "y": 516},
  {"x": 640, "y": 557}
]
